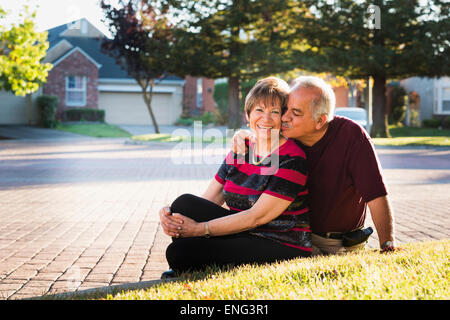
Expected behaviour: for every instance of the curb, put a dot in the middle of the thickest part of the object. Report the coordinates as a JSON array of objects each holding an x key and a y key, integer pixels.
[{"x": 84, "y": 294}]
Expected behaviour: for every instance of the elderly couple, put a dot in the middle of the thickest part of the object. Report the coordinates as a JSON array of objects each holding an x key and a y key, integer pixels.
[{"x": 297, "y": 185}]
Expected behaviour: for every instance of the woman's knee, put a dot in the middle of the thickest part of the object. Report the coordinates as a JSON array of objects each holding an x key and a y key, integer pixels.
[
  {"x": 179, "y": 255},
  {"x": 183, "y": 203},
  {"x": 171, "y": 254}
]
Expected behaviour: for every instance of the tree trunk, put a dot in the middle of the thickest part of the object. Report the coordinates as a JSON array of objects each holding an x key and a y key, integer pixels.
[
  {"x": 234, "y": 103},
  {"x": 380, "y": 127},
  {"x": 148, "y": 101}
]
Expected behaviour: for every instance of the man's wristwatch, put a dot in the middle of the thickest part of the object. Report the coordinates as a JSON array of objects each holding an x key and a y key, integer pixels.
[
  {"x": 387, "y": 244},
  {"x": 207, "y": 235}
]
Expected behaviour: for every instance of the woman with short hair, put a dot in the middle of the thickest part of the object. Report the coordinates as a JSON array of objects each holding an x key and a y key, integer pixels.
[{"x": 254, "y": 210}]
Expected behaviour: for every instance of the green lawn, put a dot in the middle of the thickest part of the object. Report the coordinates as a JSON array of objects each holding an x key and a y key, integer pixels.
[
  {"x": 165, "y": 137},
  {"x": 409, "y": 136},
  {"x": 419, "y": 271},
  {"x": 99, "y": 130},
  {"x": 401, "y": 136}
]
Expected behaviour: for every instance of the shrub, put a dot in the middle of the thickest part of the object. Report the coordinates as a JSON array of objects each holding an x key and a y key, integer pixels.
[
  {"x": 184, "y": 122},
  {"x": 398, "y": 104},
  {"x": 446, "y": 123},
  {"x": 221, "y": 99},
  {"x": 221, "y": 119},
  {"x": 437, "y": 121},
  {"x": 84, "y": 114},
  {"x": 414, "y": 120},
  {"x": 207, "y": 118},
  {"x": 47, "y": 106},
  {"x": 432, "y": 123}
]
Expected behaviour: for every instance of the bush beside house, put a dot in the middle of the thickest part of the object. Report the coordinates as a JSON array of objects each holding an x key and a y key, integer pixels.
[
  {"x": 84, "y": 114},
  {"x": 398, "y": 100},
  {"x": 48, "y": 106},
  {"x": 436, "y": 122}
]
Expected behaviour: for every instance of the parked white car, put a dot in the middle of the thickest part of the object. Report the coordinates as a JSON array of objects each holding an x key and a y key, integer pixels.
[{"x": 358, "y": 115}]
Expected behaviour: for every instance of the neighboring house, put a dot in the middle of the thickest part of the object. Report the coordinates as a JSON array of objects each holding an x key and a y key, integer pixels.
[
  {"x": 341, "y": 93},
  {"x": 198, "y": 95},
  {"x": 434, "y": 95},
  {"x": 84, "y": 77}
]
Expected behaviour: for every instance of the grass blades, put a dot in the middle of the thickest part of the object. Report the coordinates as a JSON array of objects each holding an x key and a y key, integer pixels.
[{"x": 419, "y": 271}]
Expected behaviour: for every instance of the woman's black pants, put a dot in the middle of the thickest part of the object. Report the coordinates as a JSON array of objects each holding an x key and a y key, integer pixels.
[{"x": 242, "y": 248}]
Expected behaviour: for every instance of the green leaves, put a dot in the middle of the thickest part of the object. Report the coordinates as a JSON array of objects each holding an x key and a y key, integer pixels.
[
  {"x": 239, "y": 40},
  {"x": 143, "y": 38},
  {"x": 412, "y": 39},
  {"x": 143, "y": 42},
  {"x": 22, "y": 49}
]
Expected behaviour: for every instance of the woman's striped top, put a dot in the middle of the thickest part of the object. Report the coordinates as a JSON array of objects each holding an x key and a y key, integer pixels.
[{"x": 283, "y": 174}]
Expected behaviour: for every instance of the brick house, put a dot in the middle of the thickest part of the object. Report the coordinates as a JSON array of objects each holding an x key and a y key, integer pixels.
[
  {"x": 198, "y": 95},
  {"x": 74, "y": 80},
  {"x": 84, "y": 77}
]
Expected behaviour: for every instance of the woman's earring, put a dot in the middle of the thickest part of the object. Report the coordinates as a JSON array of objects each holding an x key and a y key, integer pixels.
[{"x": 248, "y": 124}]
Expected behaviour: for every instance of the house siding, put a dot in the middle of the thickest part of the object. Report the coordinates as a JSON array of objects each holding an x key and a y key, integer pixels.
[
  {"x": 190, "y": 95},
  {"x": 209, "y": 104},
  {"x": 19, "y": 110},
  {"x": 425, "y": 88},
  {"x": 75, "y": 64},
  {"x": 341, "y": 94}
]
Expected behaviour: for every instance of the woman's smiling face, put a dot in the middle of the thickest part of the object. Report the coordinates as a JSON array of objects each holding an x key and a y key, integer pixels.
[{"x": 265, "y": 118}]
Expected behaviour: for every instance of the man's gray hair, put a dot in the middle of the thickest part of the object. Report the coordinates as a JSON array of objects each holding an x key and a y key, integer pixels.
[{"x": 325, "y": 102}]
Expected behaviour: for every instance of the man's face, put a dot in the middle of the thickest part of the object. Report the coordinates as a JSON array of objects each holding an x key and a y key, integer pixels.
[{"x": 298, "y": 122}]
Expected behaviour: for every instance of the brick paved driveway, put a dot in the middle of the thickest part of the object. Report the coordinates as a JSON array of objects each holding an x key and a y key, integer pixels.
[{"x": 84, "y": 214}]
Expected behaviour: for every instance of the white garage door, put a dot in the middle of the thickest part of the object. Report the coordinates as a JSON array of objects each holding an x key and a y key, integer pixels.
[
  {"x": 13, "y": 109},
  {"x": 129, "y": 108}
]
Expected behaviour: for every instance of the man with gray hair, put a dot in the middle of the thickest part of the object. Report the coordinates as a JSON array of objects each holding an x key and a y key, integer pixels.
[{"x": 344, "y": 174}]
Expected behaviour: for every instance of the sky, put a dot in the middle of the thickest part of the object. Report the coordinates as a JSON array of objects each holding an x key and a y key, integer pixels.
[{"x": 52, "y": 13}]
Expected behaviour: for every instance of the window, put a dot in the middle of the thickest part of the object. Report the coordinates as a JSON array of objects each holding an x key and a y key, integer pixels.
[
  {"x": 75, "y": 91},
  {"x": 442, "y": 96},
  {"x": 446, "y": 100},
  {"x": 199, "y": 92}
]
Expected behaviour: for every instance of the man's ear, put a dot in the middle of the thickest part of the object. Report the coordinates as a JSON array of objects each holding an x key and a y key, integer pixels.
[{"x": 321, "y": 121}]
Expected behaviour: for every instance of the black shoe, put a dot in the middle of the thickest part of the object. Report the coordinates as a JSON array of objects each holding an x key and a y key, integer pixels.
[{"x": 169, "y": 274}]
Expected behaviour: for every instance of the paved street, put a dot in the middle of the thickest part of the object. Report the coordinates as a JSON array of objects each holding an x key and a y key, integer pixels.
[{"x": 83, "y": 213}]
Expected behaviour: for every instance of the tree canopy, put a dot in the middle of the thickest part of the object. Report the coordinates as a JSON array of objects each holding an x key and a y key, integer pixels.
[
  {"x": 238, "y": 40},
  {"x": 22, "y": 49},
  {"x": 382, "y": 39},
  {"x": 142, "y": 42},
  {"x": 247, "y": 39}
]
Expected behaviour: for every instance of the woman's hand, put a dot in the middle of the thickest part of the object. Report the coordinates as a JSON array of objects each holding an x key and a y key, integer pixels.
[
  {"x": 170, "y": 224},
  {"x": 189, "y": 227}
]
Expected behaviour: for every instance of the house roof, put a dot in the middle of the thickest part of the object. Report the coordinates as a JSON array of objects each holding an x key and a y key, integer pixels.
[
  {"x": 76, "y": 48},
  {"x": 91, "y": 46}
]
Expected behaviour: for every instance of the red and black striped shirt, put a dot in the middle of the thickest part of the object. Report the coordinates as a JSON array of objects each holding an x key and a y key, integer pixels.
[{"x": 283, "y": 174}]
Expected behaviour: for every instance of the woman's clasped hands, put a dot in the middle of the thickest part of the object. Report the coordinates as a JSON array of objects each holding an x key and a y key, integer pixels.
[{"x": 177, "y": 225}]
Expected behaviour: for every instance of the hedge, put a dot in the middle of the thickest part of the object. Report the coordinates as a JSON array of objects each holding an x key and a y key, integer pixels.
[
  {"x": 84, "y": 114},
  {"x": 47, "y": 106}
]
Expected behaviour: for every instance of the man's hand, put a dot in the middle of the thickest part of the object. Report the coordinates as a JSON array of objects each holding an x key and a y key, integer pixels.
[
  {"x": 170, "y": 223},
  {"x": 238, "y": 141},
  {"x": 383, "y": 220},
  {"x": 388, "y": 246}
]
